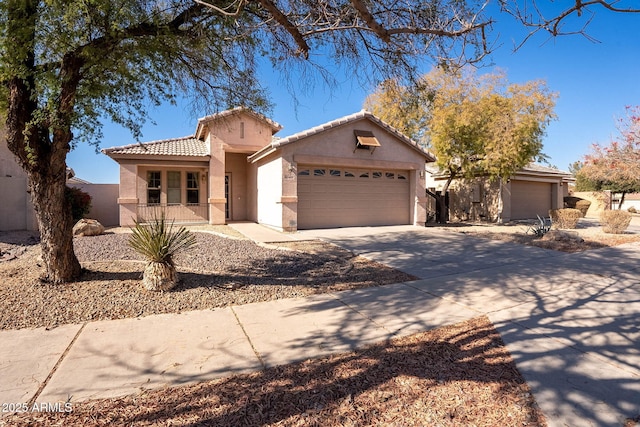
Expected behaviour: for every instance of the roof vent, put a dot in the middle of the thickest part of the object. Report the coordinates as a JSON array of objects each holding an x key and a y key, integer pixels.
[{"x": 365, "y": 140}]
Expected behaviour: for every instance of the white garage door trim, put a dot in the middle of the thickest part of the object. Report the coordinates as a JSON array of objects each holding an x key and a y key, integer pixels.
[{"x": 331, "y": 196}]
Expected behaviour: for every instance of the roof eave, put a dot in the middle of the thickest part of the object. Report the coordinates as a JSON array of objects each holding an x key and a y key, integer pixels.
[
  {"x": 262, "y": 153},
  {"x": 158, "y": 157}
]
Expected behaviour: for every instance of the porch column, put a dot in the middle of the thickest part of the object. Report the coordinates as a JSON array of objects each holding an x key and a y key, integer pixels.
[
  {"x": 557, "y": 198},
  {"x": 128, "y": 194},
  {"x": 417, "y": 193},
  {"x": 289, "y": 198},
  {"x": 216, "y": 198}
]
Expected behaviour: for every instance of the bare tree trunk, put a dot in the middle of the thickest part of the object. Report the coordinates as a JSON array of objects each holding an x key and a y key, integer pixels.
[
  {"x": 55, "y": 223},
  {"x": 621, "y": 200},
  {"x": 444, "y": 209}
]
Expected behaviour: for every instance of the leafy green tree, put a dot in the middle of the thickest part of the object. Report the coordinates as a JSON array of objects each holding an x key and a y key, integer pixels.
[
  {"x": 66, "y": 65},
  {"x": 481, "y": 125},
  {"x": 616, "y": 166},
  {"x": 405, "y": 107}
]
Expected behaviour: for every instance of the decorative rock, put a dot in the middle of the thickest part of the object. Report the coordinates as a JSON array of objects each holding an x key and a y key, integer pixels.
[{"x": 88, "y": 227}]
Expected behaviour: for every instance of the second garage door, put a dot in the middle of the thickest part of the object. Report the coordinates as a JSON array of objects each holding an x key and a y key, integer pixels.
[
  {"x": 529, "y": 199},
  {"x": 342, "y": 197}
]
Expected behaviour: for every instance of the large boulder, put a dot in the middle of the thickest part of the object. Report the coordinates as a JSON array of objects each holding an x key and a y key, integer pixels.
[{"x": 88, "y": 227}]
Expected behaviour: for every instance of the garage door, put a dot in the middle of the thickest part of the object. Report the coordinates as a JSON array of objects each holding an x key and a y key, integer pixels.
[
  {"x": 529, "y": 199},
  {"x": 342, "y": 197}
]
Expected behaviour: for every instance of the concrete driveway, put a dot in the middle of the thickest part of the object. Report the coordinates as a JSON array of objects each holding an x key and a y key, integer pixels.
[{"x": 571, "y": 321}]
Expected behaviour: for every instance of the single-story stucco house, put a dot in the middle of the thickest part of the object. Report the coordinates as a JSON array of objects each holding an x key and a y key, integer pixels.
[
  {"x": 530, "y": 192},
  {"x": 353, "y": 171}
]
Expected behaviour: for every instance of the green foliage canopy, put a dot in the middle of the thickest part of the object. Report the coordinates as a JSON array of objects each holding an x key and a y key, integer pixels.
[
  {"x": 125, "y": 57},
  {"x": 475, "y": 125}
]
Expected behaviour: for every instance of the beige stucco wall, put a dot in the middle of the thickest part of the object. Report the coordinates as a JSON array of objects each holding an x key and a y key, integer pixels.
[
  {"x": 13, "y": 209},
  {"x": 8, "y": 165},
  {"x": 241, "y": 132},
  {"x": 600, "y": 201},
  {"x": 252, "y": 192},
  {"x": 16, "y": 209},
  {"x": 104, "y": 202}
]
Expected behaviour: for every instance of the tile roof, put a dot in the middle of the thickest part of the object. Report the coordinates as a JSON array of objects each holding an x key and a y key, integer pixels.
[
  {"x": 279, "y": 142},
  {"x": 538, "y": 168},
  {"x": 530, "y": 169},
  {"x": 185, "y": 146}
]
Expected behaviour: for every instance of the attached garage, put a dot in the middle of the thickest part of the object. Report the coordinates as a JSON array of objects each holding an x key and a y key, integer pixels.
[
  {"x": 350, "y": 172},
  {"x": 343, "y": 197},
  {"x": 530, "y": 198}
]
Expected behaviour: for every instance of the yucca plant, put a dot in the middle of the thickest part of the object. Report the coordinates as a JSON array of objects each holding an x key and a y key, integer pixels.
[{"x": 157, "y": 242}]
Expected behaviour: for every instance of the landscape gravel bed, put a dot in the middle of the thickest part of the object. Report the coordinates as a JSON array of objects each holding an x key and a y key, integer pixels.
[
  {"x": 458, "y": 375},
  {"x": 218, "y": 272}
]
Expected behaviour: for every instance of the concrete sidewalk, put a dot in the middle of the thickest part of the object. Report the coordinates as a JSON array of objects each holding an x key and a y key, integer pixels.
[
  {"x": 118, "y": 357},
  {"x": 570, "y": 321}
]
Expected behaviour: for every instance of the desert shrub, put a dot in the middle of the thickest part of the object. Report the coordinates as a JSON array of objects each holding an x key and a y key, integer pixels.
[
  {"x": 577, "y": 203},
  {"x": 570, "y": 201},
  {"x": 632, "y": 210},
  {"x": 158, "y": 242},
  {"x": 615, "y": 222},
  {"x": 80, "y": 202},
  {"x": 583, "y": 206},
  {"x": 565, "y": 218}
]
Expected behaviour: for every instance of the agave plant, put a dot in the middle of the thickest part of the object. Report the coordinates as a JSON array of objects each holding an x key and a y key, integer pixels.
[{"x": 158, "y": 243}]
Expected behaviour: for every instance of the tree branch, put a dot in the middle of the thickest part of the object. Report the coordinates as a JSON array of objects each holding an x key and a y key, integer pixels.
[
  {"x": 554, "y": 25},
  {"x": 303, "y": 47},
  {"x": 368, "y": 18},
  {"x": 225, "y": 12}
]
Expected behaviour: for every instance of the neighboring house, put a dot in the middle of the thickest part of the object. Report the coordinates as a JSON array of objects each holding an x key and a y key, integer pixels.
[
  {"x": 631, "y": 200},
  {"x": 530, "y": 192},
  {"x": 353, "y": 171}
]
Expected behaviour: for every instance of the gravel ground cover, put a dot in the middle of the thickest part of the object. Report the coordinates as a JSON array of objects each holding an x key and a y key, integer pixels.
[
  {"x": 218, "y": 272},
  {"x": 460, "y": 375}
]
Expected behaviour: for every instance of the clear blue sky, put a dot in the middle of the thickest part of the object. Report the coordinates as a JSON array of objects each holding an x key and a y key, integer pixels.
[{"x": 595, "y": 81}]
